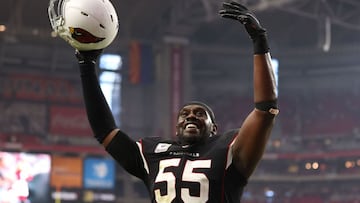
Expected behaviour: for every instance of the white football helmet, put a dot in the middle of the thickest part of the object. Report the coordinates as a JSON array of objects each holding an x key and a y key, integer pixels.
[{"x": 84, "y": 24}]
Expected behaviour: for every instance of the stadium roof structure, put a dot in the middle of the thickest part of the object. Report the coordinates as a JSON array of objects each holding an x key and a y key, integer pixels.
[{"x": 291, "y": 23}]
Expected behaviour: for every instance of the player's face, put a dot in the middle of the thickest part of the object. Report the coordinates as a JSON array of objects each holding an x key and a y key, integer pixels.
[{"x": 194, "y": 124}]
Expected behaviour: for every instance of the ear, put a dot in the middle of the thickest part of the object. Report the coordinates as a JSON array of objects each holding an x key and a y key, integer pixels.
[
  {"x": 214, "y": 129},
  {"x": 176, "y": 129}
]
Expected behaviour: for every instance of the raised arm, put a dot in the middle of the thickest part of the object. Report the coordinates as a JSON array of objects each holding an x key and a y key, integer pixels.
[
  {"x": 99, "y": 114},
  {"x": 250, "y": 143},
  {"x": 119, "y": 145}
]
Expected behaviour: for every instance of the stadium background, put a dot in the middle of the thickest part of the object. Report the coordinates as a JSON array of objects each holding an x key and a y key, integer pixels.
[{"x": 176, "y": 51}]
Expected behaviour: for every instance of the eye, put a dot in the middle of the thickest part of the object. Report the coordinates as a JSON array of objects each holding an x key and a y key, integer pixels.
[
  {"x": 200, "y": 113},
  {"x": 183, "y": 114}
]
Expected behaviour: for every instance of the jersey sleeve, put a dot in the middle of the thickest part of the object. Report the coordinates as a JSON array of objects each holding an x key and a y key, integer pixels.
[
  {"x": 128, "y": 154},
  {"x": 231, "y": 135}
]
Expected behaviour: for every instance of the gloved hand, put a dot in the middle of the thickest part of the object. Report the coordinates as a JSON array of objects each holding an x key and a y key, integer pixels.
[
  {"x": 87, "y": 57},
  {"x": 236, "y": 11},
  {"x": 257, "y": 33}
]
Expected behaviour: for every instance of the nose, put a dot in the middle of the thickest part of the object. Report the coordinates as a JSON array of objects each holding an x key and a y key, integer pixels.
[{"x": 190, "y": 117}]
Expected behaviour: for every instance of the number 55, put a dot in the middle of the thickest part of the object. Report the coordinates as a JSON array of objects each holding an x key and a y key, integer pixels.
[{"x": 188, "y": 175}]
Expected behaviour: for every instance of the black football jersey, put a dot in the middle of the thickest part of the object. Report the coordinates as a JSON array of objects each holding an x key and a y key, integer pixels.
[{"x": 175, "y": 173}]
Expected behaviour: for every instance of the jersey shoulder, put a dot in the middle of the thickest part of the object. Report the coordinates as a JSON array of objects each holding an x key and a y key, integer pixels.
[
  {"x": 155, "y": 139},
  {"x": 156, "y": 144}
]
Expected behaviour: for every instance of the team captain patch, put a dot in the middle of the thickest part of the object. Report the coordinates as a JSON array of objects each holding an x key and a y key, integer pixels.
[{"x": 162, "y": 147}]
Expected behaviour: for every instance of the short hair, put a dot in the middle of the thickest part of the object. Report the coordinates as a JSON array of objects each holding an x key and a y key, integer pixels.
[{"x": 208, "y": 109}]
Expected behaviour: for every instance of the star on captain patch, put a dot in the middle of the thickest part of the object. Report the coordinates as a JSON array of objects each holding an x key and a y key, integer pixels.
[{"x": 162, "y": 147}]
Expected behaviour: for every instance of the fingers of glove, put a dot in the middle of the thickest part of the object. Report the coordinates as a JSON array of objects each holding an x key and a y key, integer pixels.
[
  {"x": 229, "y": 13},
  {"x": 251, "y": 18},
  {"x": 244, "y": 19},
  {"x": 80, "y": 57},
  {"x": 88, "y": 56},
  {"x": 234, "y": 5},
  {"x": 238, "y": 12},
  {"x": 233, "y": 13},
  {"x": 241, "y": 7}
]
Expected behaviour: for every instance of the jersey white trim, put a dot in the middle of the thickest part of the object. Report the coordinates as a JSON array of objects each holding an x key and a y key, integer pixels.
[
  {"x": 143, "y": 157},
  {"x": 229, "y": 155}
]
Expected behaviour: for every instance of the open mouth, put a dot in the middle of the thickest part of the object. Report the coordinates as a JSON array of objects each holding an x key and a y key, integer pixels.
[{"x": 191, "y": 126}]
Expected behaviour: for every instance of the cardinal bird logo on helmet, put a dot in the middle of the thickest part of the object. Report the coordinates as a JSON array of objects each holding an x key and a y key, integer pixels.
[{"x": 84, "y": 36}]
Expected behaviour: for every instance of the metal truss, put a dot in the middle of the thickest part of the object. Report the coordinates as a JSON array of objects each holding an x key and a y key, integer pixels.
[{"x": 158, "y": 17}]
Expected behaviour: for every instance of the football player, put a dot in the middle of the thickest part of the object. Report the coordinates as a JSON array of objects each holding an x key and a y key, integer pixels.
[{"x": 200, "y": 165}]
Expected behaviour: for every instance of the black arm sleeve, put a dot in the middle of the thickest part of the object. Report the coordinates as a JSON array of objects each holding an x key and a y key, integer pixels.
[
  {"x": 98, "y": 111},
  {"x": 126, "y": 152}
]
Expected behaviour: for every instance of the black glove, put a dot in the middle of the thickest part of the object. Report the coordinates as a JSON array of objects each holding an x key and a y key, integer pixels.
[
  {"x": 236, "y": 11},
  {"x": 88, "y": 57}
]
